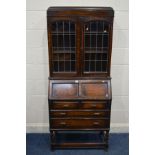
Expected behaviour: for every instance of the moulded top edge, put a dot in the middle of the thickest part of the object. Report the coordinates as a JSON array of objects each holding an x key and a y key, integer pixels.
[
  {"x": 109, "y": 10},
  {"x": 80, "y": 78}
]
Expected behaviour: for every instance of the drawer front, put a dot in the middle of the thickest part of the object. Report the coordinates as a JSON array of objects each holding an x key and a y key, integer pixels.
[
  {"x": 94, "y": 105},
  {"x": 79, "y": 123},
  {"x": 63, "y": 105},
  {"x": 93, "y": 114},
  {"x": 79, "y": 105}
]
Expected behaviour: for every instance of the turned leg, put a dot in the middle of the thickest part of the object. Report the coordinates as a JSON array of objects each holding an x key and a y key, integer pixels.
[
  {"x": 101, "y": 134},
  {"x": 53, "y": 133},
  {"x": 106, "y": 139}
]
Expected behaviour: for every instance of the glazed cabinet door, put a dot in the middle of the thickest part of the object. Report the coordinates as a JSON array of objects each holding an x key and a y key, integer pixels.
[
  {"x": 62, "y": 46},
  {"x": 79, "y": 46},
  {"x": 96, "y": 47}
]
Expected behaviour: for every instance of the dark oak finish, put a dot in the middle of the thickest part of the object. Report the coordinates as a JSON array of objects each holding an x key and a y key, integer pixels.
[
  {"x": 80, "y": 89},
  {"x": 65, "y": 89},
  {"x": 75, "y": 113},
  {"x": 79, "y": 92},
  {"x": 79, "y": 105},
  {"x": 94, "y": 89},
  {"x": 79, "y": 123},
  {"x": 63, "y": 105}
]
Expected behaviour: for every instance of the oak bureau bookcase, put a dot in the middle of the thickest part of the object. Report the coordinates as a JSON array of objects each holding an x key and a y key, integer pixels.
[{"x": 79, "y": 93}]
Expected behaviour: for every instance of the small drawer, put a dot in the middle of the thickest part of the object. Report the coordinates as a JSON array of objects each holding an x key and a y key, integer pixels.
[
  {"x": 94, "y": 105},
  {"x": 63, "y": 105},
  {"x": 93, "y": 114},
  {"x": 79, "y": 123}
]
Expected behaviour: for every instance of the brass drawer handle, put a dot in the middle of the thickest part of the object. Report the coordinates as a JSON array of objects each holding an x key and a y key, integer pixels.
[
  {"x": 63, "y": 123},
  {"x": 97, "y": 113},
  {"x": 93, "y": 105},
  {"x": 62, "y": 113},
  {"x": 96, "y": 123},
  {"x": 66, "y": 105}
]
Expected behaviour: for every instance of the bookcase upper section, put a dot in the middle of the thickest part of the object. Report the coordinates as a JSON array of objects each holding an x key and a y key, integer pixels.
[{"x": 79, "y": 41}]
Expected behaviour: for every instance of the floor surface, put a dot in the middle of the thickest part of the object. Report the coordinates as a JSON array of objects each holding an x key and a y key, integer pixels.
[{"x": 39, "y": 144}]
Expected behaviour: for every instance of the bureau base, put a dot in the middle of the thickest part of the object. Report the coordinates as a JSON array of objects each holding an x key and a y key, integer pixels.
[{"x": 79, "y": 139}]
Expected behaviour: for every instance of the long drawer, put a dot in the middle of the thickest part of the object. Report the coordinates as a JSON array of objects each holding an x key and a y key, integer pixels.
[
  {"x": 75, "y": 113},
  {"x": 79, "y": 123},
  {"x": 79, "y": 105}
]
